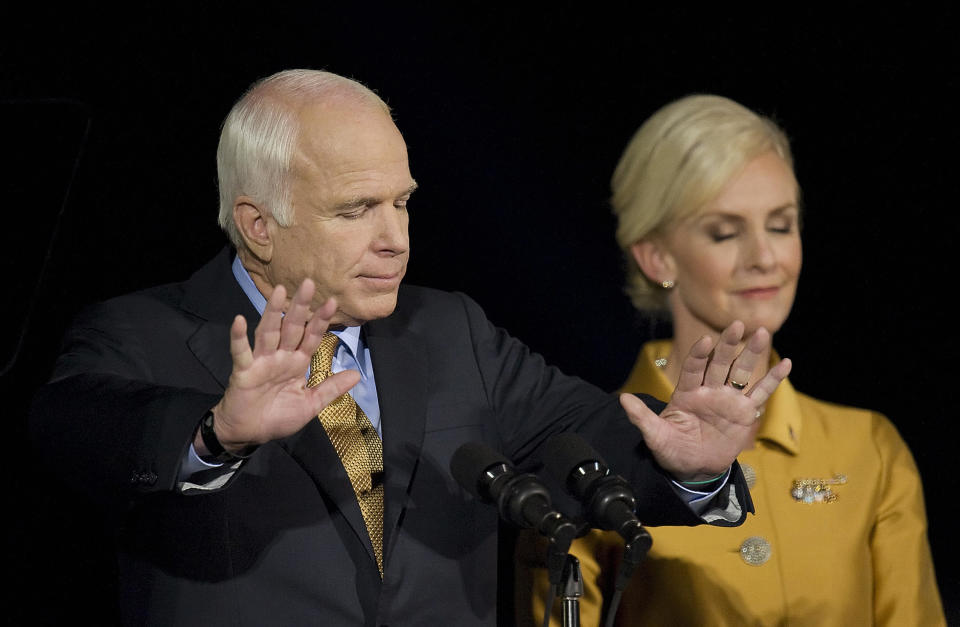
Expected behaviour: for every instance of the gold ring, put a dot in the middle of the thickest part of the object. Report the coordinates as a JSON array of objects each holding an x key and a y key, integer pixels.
[{"x": 737, "y": 385}]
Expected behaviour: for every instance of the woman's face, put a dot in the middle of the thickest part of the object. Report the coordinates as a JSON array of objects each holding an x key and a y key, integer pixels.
[{"x": 739, "y": 258}]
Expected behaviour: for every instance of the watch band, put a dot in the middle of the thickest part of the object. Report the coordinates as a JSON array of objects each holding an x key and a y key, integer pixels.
[{"x": 217, "y": 452}]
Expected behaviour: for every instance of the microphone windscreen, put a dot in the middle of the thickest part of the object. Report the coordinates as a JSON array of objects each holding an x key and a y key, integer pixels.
[
  {"x": 469, "y": 463},
  {"x": 565, "y": 452}
]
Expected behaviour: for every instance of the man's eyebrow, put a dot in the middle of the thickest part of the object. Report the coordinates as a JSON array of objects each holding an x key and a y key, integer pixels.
[
  {"x": 356, "y": 203},
  {"x": 366, "y": 201}
]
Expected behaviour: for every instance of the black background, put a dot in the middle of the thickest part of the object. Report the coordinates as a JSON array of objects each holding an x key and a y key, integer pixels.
[{"x": 514, "y": 121}]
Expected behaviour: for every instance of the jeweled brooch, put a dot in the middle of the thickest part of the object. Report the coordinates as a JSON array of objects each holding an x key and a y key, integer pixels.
[{"x": 816, "y": 490}]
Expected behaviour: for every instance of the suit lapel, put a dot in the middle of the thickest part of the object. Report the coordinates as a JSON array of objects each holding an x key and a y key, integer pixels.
[
  {"x": 207, "y": 346},
  {"x": 214, "y": 295},
  {"x": 313, "y": 451},
  {"x": 400, "y": 366}
]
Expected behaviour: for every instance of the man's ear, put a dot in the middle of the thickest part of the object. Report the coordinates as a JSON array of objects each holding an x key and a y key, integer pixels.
[
  {"x": 654, "y": 260},
  {"x": 253, "y": 223}
]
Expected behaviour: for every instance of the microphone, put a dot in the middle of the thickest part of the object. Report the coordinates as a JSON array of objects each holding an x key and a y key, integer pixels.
[
  {"x": 520, "y": 498},
  {"x": 607, "y": 499}
]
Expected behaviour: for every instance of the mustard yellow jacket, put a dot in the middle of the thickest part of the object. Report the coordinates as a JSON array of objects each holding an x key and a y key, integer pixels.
[{"x": 860, "y": 556}]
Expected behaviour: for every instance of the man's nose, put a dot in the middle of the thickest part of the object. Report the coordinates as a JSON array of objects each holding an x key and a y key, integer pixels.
[{"x": 392, "y": 233}]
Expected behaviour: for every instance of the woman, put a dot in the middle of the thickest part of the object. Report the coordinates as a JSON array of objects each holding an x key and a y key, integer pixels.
[{"x": 709, "y": 212}]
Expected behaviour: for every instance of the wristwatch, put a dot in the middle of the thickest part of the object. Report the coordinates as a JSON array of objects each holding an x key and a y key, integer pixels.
[{"x": 217, "y": 452}]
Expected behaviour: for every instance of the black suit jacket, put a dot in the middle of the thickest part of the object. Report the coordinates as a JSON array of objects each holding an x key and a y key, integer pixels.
[{"x": 282, "y": 542}]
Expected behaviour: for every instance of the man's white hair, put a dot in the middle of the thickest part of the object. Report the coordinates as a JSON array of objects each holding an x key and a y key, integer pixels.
[{"x": 259, "y": 138}]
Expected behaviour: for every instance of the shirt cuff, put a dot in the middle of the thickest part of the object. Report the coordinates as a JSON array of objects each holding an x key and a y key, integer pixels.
[
  {"x": 700, "y": 502},
  {"x": 192, "y": 464}
]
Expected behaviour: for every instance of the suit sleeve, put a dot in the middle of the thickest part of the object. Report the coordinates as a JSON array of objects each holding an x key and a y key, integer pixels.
[
  {"x": 906, "y": 588},
  {"x": 114, "y": 425},
  {"x": 532, "y": 401}
]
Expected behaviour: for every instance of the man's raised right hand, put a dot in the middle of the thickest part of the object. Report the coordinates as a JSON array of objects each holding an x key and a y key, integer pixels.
[{"x": 267, "y": 397}]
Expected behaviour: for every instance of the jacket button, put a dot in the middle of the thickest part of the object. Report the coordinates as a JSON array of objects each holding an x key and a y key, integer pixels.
[
  {"x": 755, "y": 550},
  {"x": 145, "y": 478}
]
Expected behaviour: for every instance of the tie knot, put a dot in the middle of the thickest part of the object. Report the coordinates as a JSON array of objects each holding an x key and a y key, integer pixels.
[{"x": 322, "y": 362}]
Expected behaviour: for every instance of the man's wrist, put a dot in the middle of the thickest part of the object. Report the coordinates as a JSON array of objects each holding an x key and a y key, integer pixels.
[
  {"x": 705, "y": 483},
  {"x": 208, "y": 445}
]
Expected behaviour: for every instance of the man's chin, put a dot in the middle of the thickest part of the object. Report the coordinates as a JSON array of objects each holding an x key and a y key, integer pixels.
[{"x": 372, "y": 308}]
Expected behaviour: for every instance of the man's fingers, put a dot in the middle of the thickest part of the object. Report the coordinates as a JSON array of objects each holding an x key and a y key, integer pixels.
[
  {"x": 267, "y": 334},
  {"x": 694, "y": 365},
  {"x": 317, "y": 326},
  {"x": 765, "y": 387},
  {"x": 297, "y": 315},
  {"x": 333, "y": 387},
  {"x": 746, "y": 363},
  {"x": 239, "y": 345},
  {"x": 723, "y": 355},
  {"x": 644, "y": 418},
  {"x": 327, "y": 309}
]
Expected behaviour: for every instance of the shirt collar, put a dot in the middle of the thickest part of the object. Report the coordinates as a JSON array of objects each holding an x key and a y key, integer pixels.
[
  {"x": 350, "y": 338},
  {"x": 247, "y": 285}
]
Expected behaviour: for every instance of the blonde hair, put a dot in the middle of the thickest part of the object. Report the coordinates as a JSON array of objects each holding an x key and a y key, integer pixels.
[
  {"x": 260, "y": 135},
  {"x": 678, "y": 160}
]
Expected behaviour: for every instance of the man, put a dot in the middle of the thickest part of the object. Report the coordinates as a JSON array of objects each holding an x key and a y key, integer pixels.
[{"x": 235, "y": 504}]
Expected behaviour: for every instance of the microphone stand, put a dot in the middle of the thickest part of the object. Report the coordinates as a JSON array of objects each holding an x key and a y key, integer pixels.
[
  {"x": 571, "y": 591},
  {"x": 634, "y": 550},
  {"x": 566, "y": 580},
  {"x": 563, "y": 572}
]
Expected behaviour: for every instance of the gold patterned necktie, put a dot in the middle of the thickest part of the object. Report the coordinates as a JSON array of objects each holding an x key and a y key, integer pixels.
[{"x": 357, "y": 444}]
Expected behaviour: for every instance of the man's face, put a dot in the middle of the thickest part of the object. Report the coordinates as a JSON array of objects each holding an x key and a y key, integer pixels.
[{"x": 350, "y": 184}]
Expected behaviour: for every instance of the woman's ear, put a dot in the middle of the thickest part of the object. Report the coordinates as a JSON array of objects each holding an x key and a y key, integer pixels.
[{"x": 654, "y": 261}]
